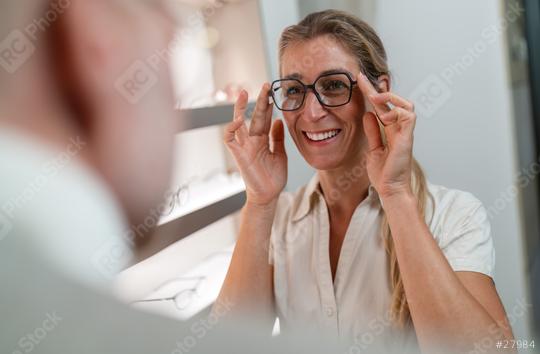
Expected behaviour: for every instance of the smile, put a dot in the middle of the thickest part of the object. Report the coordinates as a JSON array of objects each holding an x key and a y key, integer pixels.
[{"x": 322, "y": 136}]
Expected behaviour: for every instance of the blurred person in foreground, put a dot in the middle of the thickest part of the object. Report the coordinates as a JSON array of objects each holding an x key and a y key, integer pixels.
[{"x": 80, "y": 164}]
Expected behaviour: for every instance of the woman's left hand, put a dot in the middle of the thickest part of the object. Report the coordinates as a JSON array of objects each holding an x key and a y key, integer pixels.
[{"x": 389, "y": 166}]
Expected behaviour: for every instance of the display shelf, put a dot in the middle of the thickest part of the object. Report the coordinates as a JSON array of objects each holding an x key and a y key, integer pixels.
[
  {"x": 196, "y": 289},
  {"x": 203, "y": 193},
  {"x": 207, "y": 202},
  {"x": 202, "y": 117},
  {"x": 221, "y": 50}
]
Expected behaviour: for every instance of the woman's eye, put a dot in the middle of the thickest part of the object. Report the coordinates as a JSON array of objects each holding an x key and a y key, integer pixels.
[
  {"x": 334, "y": 85},
  {"x": 293, "y": 91}
]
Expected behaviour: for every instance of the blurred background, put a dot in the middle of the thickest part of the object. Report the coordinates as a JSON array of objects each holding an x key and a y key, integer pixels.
[{"x": 472, "y": 68}]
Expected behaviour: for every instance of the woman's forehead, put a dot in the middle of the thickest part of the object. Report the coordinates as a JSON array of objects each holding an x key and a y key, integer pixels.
[{"x": 309, "y": 59}]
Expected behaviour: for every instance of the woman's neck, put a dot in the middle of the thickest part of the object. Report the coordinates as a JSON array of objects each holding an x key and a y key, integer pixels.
[{"x": 345, "y": 187}]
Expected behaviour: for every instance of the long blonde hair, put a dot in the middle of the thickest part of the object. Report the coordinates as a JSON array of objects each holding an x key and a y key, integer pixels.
[{"x": 361, "y": 40}]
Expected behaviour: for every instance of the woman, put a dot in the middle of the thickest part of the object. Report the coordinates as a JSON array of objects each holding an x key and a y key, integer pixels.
[{"x": 368, "y": 242}]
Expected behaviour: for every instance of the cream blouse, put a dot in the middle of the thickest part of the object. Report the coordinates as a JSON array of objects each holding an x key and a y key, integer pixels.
[{"x": 356, "y": 305}]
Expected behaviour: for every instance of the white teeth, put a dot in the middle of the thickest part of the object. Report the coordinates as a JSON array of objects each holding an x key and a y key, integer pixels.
[{"x": 322, "y": 136}]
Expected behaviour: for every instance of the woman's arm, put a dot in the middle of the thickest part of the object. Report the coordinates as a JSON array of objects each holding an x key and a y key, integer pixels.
[
  {"x": 248, "y": 285},
  {"x": 460, "y": 310},
  {"x": 457, "y": 310}
]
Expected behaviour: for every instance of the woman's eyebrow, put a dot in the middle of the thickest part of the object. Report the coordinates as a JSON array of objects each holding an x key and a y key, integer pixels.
[
  {"x": 335, "y": 71},
  {"x": 293, "y": 76},
  {"x": 298, "y": 76}
]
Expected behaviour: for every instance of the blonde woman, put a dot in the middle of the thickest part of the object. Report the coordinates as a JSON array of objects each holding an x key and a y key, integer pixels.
[{"x": 368, "y": 244}]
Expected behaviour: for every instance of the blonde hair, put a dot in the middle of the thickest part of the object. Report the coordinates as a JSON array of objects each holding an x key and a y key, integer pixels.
[{"x": 361, "y": 40}]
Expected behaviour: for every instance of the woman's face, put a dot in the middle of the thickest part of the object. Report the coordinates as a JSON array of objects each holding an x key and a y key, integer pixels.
[{"x": 306, "y": 61}]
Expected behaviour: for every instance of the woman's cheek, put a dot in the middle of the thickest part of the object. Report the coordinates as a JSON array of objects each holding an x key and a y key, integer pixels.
[{"x": 291, "y": 124}]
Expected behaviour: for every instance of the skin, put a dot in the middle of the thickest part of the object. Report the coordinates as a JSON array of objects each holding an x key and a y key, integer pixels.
[
  {"x": 70, "y": 82},
  {"x": 448, "y": 309}
]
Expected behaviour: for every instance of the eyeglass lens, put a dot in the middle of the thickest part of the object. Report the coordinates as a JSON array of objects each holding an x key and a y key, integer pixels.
[{"x": 333, "y": 90}]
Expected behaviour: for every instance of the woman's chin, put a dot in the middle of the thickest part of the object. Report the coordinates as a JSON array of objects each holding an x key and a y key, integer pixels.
[{"x": 323, "y": 163}]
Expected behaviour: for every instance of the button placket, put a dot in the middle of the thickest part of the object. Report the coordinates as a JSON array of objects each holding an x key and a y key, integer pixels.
[
  {"x": 328, "y": 299},
  {"x": 329, "y": 311},
  {"x": 350, "y": 242}
]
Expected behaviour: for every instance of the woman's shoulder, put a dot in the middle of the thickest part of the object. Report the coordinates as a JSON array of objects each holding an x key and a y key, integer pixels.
[
  {"x": 446, "y": 194},
  {"x": 461, "y": 226},
  {"x": 450, "y": 203}
]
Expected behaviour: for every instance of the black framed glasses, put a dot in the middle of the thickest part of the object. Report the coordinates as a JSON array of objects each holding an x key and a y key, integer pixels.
[{"x": 331, "y": 90}]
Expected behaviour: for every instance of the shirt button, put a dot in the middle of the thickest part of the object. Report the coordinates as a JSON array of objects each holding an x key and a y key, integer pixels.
[{"x": 329, "y": 311}]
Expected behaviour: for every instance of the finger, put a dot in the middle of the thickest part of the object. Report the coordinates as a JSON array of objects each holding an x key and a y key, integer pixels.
[
  {"x": 268, "y": 118},
  {"x": 373, "y": 132},
  {"x": 241, "y": 105},
  {"x": 242, "y": 133},
  {"x": 278, "y": 137},
  {"x": 258, "y": 122},
  {"x": 233, "y": 132},
  {"x": 390, "y": 97},
  {"x": 396, "y": 115},
  {"x": 230, "y": 131},
  {"x": 369, "y": 91}
]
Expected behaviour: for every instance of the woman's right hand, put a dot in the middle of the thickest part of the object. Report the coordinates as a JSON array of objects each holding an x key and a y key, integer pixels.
[{"x": 259, "y": 151}]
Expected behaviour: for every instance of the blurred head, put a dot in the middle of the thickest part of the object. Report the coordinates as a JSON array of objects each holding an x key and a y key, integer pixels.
[
  {"x": 323, "y": 42},
  {"x": 80, "y": 74}
]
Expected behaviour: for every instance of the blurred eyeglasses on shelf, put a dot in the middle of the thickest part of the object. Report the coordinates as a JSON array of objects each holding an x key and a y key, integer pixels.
[
  {"x": 183, "y": 298},
  {"x": 184, "y": 191}
]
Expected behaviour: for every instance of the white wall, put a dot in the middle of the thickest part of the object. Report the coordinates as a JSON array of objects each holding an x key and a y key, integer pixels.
[{"x": 450, "y": 53}]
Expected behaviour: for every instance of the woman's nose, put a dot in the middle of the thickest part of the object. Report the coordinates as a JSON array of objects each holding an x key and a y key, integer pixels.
[{"x": 313, "y": 109}]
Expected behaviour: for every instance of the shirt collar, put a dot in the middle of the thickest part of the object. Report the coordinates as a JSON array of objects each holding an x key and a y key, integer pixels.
[{"x": 307, "y": 197}]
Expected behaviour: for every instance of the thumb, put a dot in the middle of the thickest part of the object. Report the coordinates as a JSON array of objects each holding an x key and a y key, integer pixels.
[
  {"x": 278, "y": 137},
  {"x": 372, "y": 131}
]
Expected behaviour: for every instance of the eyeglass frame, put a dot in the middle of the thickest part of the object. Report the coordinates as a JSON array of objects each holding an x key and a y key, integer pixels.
[
  {"x": 312, "y": 87},
  {"x": 193, "y": 291},
  {"x": 175, "y": 199}
]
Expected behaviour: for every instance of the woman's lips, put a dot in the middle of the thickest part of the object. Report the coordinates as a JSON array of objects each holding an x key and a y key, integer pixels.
[{"x": 321, "y": 138}]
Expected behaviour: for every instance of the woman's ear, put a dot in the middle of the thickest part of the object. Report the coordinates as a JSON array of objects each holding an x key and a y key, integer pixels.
[{"x": 384, "y": 83}]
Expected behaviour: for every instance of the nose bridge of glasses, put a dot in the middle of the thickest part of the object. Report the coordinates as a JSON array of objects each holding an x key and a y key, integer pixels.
[{"x": 313, "y": 102}]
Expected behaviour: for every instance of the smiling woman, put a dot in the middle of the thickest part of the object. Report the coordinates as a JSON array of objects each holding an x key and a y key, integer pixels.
[
  {"x": 368, "y": 239},
  {"x": 331, "y": 48}
]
